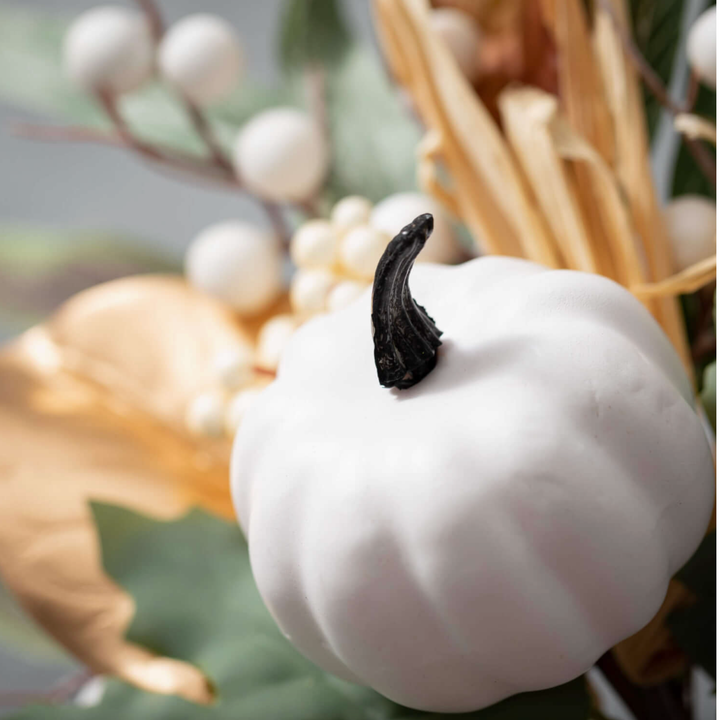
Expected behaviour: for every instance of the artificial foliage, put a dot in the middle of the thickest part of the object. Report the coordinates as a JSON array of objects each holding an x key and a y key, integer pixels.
[{"x": 105, "y": 494}]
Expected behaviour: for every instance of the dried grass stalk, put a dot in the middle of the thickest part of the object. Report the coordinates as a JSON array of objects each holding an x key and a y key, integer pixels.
[
  {"x": 633, "y": 160},
  {"x": 494, "y": 199},
  {"x": 695, "y": 127},
  {"x": 687, "y": 281}
]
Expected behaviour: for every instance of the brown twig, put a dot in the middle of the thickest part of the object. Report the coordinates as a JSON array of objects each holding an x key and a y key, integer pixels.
[
  {"x": 154, "y": 17},
  {"x": 205, "y": 132},
  {"x": 316, "y": 92},
  {"x": 173, "y": 159},
  {"x": 655, "y": 84},
  {"x": 652, "y": 703}
]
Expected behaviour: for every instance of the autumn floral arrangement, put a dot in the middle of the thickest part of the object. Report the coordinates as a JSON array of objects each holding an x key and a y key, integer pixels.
[{"x": 458, "y": 391}]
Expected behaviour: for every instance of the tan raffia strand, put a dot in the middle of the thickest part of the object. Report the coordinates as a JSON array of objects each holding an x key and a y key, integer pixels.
[
  {"x": 527, "y": 114},
  {"x": 496, "y": 204},
  {"x": 633, "y": 162},
  {"x": 695, "y": 127},
  {"x": 583, "y": 103},
  {"x": 687, "y": 281}
]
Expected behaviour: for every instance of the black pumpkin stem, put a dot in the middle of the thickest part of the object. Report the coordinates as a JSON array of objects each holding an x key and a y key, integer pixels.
[{"x": 405, "y": 336}]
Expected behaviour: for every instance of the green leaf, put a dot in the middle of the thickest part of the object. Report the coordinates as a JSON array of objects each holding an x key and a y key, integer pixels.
[
  {"x": 40, "y": 268},
  {"x": 694, "y": 627},
  {"x": 373, "y": 139},
  {"x": 31, "y": 77},
  {"x": 312, "y": 32},
  {"x": 688, "y": 178},
  {"x": 196, "y": 600},
  {"x": 656, "y": 25},
  {"x": 708, "y": 394}
]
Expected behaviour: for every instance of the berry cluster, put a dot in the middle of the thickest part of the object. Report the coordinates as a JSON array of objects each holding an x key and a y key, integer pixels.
[{"x": 336, "y": 258}]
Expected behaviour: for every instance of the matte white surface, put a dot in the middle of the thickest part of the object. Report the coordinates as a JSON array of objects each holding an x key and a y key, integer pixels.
[{"x": 499, "y": 526}]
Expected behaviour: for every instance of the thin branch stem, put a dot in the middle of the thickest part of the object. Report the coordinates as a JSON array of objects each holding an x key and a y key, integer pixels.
[
  {"x": 653, "y": 703},
  {"x": 655, "y": 84},
  {"x": 154, "y": 17},
  {"x": 205, "y": 132}
]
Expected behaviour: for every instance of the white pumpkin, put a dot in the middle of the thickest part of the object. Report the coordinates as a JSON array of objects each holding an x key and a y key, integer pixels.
[{"x": 498, "y": 526}]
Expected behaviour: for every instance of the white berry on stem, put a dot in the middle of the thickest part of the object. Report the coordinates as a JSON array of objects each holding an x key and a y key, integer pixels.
[
  {"x": 690, "y": 222},
  {"x": 314, "y": 244},
  {"x": 206, "y": 414},
  {"x": 233, "y": 368},
  {"x": 344, "y": 293},
  {"x": 361, "y": 249},
  {"x": 109, "y": 49},
  {"x": 462, "y": 36},
  {"x": 201, "y": 57},
  {"x": 309, "y": 290},
  {"x": 272, "y": 339},
  {"x": 281, "y": 155},
  {"x": 237, "y": 263},
  {"x": 702, "y": 47},
  {"x": 396, "y": 211},
  {"x": 351, "y": 211}
]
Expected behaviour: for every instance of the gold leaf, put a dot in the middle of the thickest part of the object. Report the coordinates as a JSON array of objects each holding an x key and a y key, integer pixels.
[{"x": 91, "y": 408}]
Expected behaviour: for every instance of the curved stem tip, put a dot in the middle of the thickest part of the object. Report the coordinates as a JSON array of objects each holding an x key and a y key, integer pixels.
[{"x": 405, "y": 336}]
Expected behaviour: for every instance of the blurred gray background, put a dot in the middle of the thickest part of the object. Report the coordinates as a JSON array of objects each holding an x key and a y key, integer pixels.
[{"x": 81, "y": 187}]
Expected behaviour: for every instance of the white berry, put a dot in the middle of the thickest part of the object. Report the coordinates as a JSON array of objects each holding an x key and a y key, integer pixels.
[
  {"x": 281, "y": 155},
  {"x": 272, "y": 339},
  {"x": 206, "y": 414},
  {"x": 309, "y": 290},
  {"x": 109, "y": 48},
  {"x": 314, "y": 245},
  {"x": 361, "y": 249},
  {"x": 237, "y": 263},
  {"x": 345, "y": 293},
  {"x": 461, "y": 34},
  {"x": 690, "y": 222},
  {"x": 351, "y": 211},
  {"x": 201, "y": 56},
  {"x": 701, "y": 47},
  {"x": 396, "y": 211},
  {"x": 233, "y": 368},
  {"x": 238, "y": 407}
]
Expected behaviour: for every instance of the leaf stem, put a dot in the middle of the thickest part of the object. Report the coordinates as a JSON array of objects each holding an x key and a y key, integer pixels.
[{"x": 154, "y": 17}]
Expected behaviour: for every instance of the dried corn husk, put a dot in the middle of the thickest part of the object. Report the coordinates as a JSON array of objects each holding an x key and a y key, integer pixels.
[{"x": 565, "y": 182}]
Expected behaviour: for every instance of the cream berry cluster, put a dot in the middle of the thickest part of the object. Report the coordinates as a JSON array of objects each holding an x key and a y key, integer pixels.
[{"x": 336, "y": 258}]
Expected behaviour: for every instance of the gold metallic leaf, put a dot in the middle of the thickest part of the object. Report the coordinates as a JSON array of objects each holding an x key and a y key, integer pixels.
[{"x": 91, "y": 408}]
